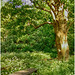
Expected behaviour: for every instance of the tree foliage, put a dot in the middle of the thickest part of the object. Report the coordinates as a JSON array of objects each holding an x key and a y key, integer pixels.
[{"x": 18, "y": 32}]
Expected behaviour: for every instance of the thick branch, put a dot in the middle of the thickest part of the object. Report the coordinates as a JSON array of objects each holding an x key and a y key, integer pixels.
[
  {"x": 41, "y": 25},
  {"x": 43, "y": 9},
  {"x": 52, "y": 9},
  {"x": 51, "y": 6},
  {"x": 39, "y": 7},
  {"x": 52, "y": 12}
]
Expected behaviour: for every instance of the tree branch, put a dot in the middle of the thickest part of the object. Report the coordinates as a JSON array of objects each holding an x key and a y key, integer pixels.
[
  {"x": 50, "y": 5},
  {"x": 42, "y": 9},
  {"x": 39, "y": 7},
  {"x": 53, "y": 4},
  {"x": 69, "y": 26},
  {"x": 41, "y": 25},
  {"x": 52, "y": 10}
]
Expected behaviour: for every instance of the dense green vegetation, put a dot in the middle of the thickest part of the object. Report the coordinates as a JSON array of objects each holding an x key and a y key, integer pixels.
[
  {"x": 18, "y": 35},
  {"x": 12, "y": 62},
  {"x": 24, "y": 47}
]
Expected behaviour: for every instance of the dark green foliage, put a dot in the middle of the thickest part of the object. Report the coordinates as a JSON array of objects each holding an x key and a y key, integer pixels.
[
  {"x": 71, "y": 39},
  {"x": 9, "y": 44},
  {"x": 27, "y": 38},
  {"x": 38, "y": 40}
]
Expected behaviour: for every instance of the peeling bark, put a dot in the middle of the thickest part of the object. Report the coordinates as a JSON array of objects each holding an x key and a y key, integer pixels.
[
  {"x": 62, "y": 45},
  {"x": 60, "y": 28}
]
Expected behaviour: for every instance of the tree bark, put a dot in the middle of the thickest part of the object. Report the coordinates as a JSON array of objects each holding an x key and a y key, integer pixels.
[
  {"x": 62, "y": 45},
  {"x": 60, "y": 28}
]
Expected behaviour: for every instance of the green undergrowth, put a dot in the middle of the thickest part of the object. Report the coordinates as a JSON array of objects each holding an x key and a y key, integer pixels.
[{"x": 12, "y": 62}]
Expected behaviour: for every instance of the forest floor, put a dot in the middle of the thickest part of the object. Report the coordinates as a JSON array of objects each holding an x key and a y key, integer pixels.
[{"x": 15, "y": 61}]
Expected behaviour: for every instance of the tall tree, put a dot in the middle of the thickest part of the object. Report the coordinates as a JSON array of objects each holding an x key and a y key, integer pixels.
[{"x": 59, "y": 10}]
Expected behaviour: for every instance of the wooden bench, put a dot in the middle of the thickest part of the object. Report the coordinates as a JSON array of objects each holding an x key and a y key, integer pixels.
[{"x": 25, "y": 72}]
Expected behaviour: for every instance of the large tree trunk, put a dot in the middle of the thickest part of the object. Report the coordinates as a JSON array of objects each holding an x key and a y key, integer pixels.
[
  {"x": 60, "y": 28},
  {"x": 62, "y": 44}
]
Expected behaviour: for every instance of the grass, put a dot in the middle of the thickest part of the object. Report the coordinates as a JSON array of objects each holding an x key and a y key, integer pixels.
[{"x": 12, "y": 62}]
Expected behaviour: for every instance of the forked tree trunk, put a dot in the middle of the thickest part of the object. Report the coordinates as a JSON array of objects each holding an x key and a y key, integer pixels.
[
  {"x": 60, "y": 18},
  {"x": 60, "y": 28}
]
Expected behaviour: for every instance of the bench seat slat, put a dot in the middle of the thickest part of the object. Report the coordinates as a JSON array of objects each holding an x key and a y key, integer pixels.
[{"x": 25, "y": 72}]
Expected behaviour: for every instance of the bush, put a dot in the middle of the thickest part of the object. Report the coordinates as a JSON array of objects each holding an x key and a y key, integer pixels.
[{"x": 9, "y": 44}]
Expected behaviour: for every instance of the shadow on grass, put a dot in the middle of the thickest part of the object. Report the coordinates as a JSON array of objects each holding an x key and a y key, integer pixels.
[{"x": 52, "y": 52}]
